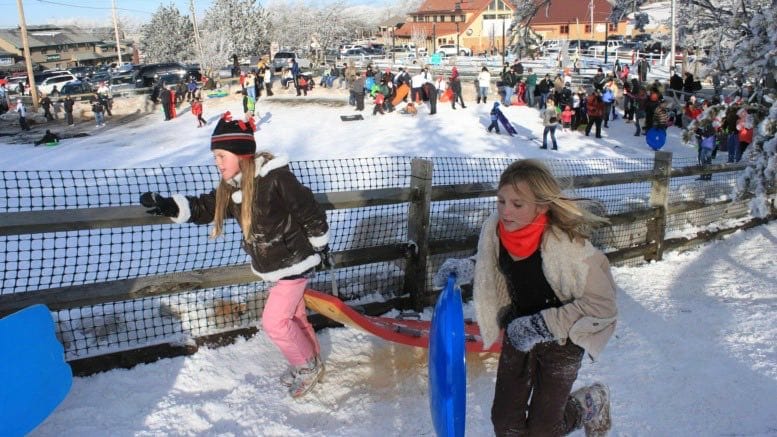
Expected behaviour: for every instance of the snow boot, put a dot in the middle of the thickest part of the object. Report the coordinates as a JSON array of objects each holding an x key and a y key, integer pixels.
[
  {"x": 594, "y": 403},
  {"x": 287, "y": 377},
  {"x": 485, "y": 99},
  {"x": 306, "y": 377},
  {"x": 478, "y": 99}
]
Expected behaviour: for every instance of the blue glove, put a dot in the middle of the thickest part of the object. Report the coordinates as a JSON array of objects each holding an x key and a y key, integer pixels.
[
  {"x": 524, "y": 332},
  {"x": 463, "y": 268}
]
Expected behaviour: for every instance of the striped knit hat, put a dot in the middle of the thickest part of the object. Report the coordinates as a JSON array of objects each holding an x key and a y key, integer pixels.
[{"x": 234, "y": 136}]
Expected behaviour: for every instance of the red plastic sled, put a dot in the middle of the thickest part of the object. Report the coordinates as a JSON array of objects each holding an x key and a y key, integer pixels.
[{"x": 409, "y": 332}]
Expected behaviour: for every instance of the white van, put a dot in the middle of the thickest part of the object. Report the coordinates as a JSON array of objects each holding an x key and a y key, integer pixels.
[{"x": 611, "y": 44}]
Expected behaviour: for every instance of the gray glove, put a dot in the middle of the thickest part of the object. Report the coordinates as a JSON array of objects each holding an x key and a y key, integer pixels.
[
  {"x": 524, "y": 332},
  {"x": 464, "y": 269}
]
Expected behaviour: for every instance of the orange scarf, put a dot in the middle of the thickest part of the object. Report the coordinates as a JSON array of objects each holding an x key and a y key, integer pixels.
[{"x": 523, "y": 242}]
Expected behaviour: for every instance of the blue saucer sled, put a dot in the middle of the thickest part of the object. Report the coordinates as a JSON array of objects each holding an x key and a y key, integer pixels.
[
  {"x": 34, "y": 377},
  {"x": 655, "y": 138},
  {"x": 447, "y": 364}
]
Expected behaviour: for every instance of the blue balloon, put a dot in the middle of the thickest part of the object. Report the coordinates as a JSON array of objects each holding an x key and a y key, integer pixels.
[{"x": 656, "y": 138}]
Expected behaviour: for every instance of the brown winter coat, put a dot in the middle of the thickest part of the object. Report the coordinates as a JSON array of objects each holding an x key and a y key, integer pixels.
[
  {"x": 594, "y": 106},
  {"x": 579, "y": 275},
  {"x": 287, "y": 224}
]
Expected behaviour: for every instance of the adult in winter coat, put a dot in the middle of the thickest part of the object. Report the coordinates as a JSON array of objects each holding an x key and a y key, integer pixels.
[
  {"x": 98, "y": 110},
  {"x": 357, "y": 88},
  {"x": 165, "y": 99},
  {"x": 430, "y": 90},
  {"x": 484, "y": 84},
  {"x": 46, "y": 103},
  {"x": 68, "y": 106},
  {"x": 537, "y": 276},
  {"x": 22, "y": 111},
  {"x": 295, "y": 71},
  {"x": 643, "y": 66},
  {"x": 509, "y": 80},
  {"x": 284, "y": 232},
  {"x": 595, "y": 110},
  {"x": 550, "y": 121},
  {"x": 456, "y": 88}
]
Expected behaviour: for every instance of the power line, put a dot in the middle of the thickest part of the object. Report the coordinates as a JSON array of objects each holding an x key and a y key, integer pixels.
[{"x": 93, "y": 7}]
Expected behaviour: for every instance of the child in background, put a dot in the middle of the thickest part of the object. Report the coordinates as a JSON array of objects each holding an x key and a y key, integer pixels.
[
  {"x": 197, "y": 112},
  {"x": 284, "y": 231},
  {"x": 566, "y": 118},
  {"x": 379, "y": 99},
  {"x": 494, "y": 118}
]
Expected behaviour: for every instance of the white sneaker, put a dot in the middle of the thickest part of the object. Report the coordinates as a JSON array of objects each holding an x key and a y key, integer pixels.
[
  {"x": 306, "y": 377},
  {"x": 595, "y": 404}
]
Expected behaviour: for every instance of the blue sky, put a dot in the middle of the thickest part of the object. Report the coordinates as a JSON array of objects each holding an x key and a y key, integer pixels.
[{"x": 44, "y": 11}]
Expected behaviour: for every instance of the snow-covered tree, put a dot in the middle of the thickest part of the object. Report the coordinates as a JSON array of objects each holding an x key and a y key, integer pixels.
[
  {"x": 233, "y": 27},
  {"x": 167, "y": 37},
  {"x": 738, "y": 40},
  {"x": 310, "y": 27}
]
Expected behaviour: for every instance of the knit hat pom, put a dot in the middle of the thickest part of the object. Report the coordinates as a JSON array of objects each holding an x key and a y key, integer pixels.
[{"x": 234, "y": 136}]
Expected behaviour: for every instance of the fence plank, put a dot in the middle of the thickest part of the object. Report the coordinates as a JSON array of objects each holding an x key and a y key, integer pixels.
[
  {"x": 33, "y": 222},
  {"x": 357, "y": 199},
  {"x": 159, "y": 285},
  {"x": 418, "y": 230}
]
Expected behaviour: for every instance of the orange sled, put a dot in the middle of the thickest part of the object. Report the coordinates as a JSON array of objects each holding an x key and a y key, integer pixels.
[{"x": 403, "y": 331}]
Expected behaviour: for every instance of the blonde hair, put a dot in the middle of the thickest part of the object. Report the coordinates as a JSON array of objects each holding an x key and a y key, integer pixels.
[
  {"x": 247, "y": 186},
  {"x": 563, "y": 212}
]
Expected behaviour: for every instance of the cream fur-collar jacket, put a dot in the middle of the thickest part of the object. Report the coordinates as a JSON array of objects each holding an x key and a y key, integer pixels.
[{"x": 579, "y": 275}]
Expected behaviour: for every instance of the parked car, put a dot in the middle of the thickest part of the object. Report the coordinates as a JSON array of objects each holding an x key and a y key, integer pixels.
[
  {"x": 75, "y": 87},
  {"x": 100, "y": 77},
  {"x": 47, "y": 85},
  {"x": 282, "y": 59},
  {"x": 170, "y": 79},
  {"x": 147, "y": 75},
  {"x": 611, "y": 46},
  {"x": 450, "y": 50},
  {"x": 81, "y": 72},
  {"x": 122, "y": 82}
]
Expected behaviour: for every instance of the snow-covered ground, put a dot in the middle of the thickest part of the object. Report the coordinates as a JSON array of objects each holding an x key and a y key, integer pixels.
[{"x": 694, "y": 353}]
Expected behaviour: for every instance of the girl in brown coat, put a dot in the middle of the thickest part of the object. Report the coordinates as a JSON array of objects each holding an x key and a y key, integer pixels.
[{"x": 284, "y": 230}]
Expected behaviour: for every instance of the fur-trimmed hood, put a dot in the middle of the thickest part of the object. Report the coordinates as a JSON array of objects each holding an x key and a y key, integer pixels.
[
  {"x": 263, "y": 168},
  {"x": 578, "y": 273}
]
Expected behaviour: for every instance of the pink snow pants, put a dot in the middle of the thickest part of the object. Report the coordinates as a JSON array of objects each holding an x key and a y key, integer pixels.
[{"x": 286, "y": 323}]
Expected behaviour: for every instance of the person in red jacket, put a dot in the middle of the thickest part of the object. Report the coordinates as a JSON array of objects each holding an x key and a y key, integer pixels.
[
  {"x": 197, "y": 112},
  {"x": 595, "y": 109},
  {"x": 745, "y": 128}
]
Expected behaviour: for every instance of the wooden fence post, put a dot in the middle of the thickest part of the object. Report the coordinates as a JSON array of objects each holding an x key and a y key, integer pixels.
[
  {"x": 418, "y": 231},
  {"x": 659, "y": 198}
]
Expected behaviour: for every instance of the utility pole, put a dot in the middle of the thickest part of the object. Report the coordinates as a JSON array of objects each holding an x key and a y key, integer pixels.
[
  {"x": 116, "y": 31},
  {"x": 192, "y": 9},
  {"x": 503, "y": 41},
  {"x": 593, "y": 31},
  {"x": 674, "y": 40},
  {"x": 27, "y": 56}
]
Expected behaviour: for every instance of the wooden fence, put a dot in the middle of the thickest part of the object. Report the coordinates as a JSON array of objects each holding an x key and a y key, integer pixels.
[{"x": 417, "y": 251}]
